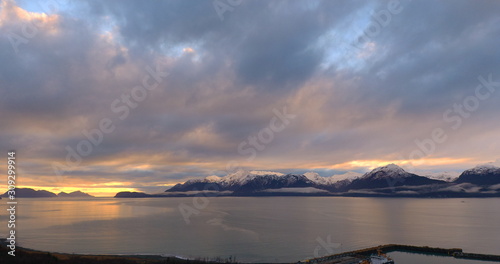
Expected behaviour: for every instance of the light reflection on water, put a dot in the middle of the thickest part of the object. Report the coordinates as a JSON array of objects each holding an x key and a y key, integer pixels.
[{"x": 266, "y": 229}]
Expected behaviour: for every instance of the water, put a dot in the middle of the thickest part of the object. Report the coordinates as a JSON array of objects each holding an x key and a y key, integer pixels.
[
  {"x": 409, "y": 258},
  {"x": 261, "y": 229}
]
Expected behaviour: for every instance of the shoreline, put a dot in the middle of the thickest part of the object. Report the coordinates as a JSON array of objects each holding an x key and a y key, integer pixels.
[
  {"x": 270, "y": 194},
  {"x": 27, "y": 255}
]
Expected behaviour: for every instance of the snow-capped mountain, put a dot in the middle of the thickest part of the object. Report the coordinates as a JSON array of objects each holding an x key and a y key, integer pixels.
[
  {"x": 387, "y": 171},
  {"x": 334, "y": 183},
  {"x": 390, "y": 176},
  {"x": 389, "y": 180},
  {"x": 316, "y": 178},
  {"x": 254, "y": 181},
  {"x": 251, "y": 181},
  {"x": 245, "y": 181},
  {"x": 486, "y": 174}
]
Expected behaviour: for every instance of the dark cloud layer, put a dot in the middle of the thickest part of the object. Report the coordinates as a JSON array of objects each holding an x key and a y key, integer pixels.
[{"x": 357, "y": 103}]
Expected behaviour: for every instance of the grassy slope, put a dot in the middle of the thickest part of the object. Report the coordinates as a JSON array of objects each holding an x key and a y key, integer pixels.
[{"x": 26, "y": 256}]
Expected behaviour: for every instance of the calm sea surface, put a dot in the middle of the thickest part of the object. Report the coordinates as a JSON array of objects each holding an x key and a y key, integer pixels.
[{"x": 264, "y": 229}]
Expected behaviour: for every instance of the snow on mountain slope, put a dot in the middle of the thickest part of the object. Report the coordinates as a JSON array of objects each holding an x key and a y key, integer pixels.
[
  {"x": 350, "y": 175},
  {"x": 213, "y": 178},
  {"x": 484, "y": 169},
  {"x": 447, "y": 176},
  {"x": 242, "y": 176},
  {"x": 388, "y": 171},
  {"x": 314, "y": 177},
  {"x": 485, "y": 174},
  {"x": 389, "y": 176}
]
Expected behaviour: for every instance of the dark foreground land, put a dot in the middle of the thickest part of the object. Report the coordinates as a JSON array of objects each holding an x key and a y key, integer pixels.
[{"x": 27, "y": 256}]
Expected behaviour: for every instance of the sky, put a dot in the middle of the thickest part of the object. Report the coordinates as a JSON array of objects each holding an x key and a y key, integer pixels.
[{"x": 108, "y": 96}]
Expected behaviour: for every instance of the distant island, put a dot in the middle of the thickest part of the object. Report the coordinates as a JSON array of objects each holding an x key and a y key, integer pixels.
[
  {"x": 387, "y": 181},
  {"x": 74, "y": 194},
  {"x": 31, "y": 193}
]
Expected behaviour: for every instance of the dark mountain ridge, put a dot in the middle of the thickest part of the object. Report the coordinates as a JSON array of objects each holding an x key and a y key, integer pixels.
[
  {"x": 390, "y": 176},
  {"x": 480, "y": 175},
  {"x": 389, "y": 180},
  {"x": 31, "y": 193}
]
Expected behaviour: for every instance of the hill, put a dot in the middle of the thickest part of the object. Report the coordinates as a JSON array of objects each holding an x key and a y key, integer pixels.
[
  {"x": 481, "y": 175},
  {"x": 74, "y": 194},
  {"x": 31, "y": 193}
]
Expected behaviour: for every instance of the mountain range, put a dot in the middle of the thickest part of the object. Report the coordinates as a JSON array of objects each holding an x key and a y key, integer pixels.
[
  {"x": 31, "y": 193},
  {"x": 389, "y": 180}
]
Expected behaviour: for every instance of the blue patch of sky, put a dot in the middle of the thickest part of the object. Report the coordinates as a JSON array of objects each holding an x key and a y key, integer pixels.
[{"x": 344, "y": 43}]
